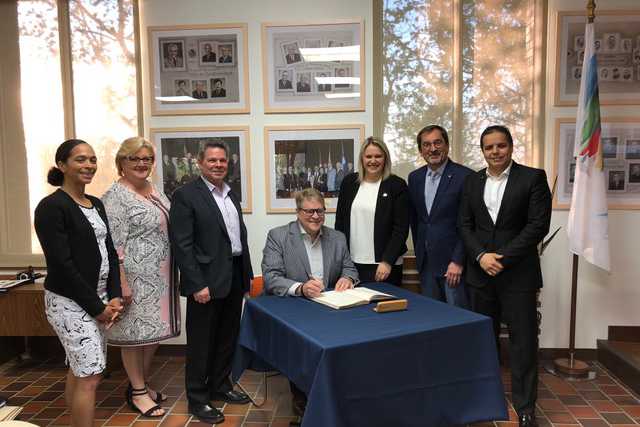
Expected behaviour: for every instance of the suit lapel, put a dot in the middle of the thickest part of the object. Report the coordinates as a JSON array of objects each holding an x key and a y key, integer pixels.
[
  {"x": 509, "y": 190},
  {"x": 482, "y": 182},
  {"x": 211, "y": 202},
  {"x": 419, "y": 191},
  {"x": 298, "y": 246},
  {"x": 327, "y": 258}
]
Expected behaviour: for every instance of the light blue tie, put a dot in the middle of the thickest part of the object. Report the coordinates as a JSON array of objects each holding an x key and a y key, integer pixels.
[{"x": 430, "y": 188}]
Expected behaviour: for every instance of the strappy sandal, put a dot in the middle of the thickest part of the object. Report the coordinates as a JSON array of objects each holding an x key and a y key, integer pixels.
[
  {"x": 150, "y": 411},
  {"x": 127, "y": 394},
  {"x": 159, "y": 396}
]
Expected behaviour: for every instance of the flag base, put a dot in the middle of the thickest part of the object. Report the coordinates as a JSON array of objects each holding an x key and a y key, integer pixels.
[
  {"x": 571, "y": 366},
  {"x": 550, "y": 367}
]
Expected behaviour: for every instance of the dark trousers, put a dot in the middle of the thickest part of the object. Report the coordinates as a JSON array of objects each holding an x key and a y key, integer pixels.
[
  {"x": 212, "y": 334},
  {"x": 436, "y": 287},
  {"x": 367, "y": 273},
  {"x": 298, "y": 400},
  {"x": 518, "y": 311}
]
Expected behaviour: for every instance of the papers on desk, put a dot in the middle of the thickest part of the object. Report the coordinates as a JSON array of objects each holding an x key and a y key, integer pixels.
[
  {"x": 5, "y": 285},
  {"x": 8, "y": 413},
  {"x": 351, "y": 298}
]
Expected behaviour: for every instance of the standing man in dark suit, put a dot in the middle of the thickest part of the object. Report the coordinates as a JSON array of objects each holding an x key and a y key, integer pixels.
[
  {"x": 434, "y": 194},
  {"x": 505, "y": 212},
  {"x": 210, "y": 243}
]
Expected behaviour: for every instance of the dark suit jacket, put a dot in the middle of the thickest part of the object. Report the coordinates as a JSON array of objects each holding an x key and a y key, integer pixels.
[
  {"x": 209, "y": 57},
  {"x": 523, "y": 221},
  {"x": 391, "y": 222},
  {"x": 169, "y": 170},
  {"x": 284, "y": 84},
  {"x": 201, "y": 243},
  {"x": 292, "y": 57},
  {"x": 199, "y": 95},
  {"x": 435, "y": 235},
  {"x": 303, "y": 87},
  {"x": 218, "y": 93},
  {"x": 71, "y": 251}
]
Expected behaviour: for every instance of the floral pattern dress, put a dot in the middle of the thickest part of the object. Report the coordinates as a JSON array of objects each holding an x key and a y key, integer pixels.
[
  {"x": 140, "y": 232},
  {"x": 81, "y": 335}
]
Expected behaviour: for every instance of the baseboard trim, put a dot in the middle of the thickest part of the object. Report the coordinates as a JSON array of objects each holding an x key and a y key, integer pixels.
[{"x": 584, "y": 354}]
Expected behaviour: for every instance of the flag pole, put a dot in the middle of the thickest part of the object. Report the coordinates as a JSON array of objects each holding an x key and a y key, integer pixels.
[{"x": 571, "y": 366}]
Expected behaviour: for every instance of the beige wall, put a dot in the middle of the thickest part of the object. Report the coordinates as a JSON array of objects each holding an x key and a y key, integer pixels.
[
  {"x": 603, "y": 299},
  {"x": 255, "y": 12}
]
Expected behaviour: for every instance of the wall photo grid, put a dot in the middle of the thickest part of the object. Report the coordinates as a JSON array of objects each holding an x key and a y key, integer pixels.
[
  {"x": 617, "y": 45},
  {"x": 620, "y": 140},
  {"x": 200, "y": 69},
  {"x": 177, "y": 150},
  {"x": 310, "y": 67}
]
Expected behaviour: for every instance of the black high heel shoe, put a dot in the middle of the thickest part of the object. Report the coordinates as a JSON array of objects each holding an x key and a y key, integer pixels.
[
  {"x": 159, "y": 396},
  {"x": 127, "y": 394},
  {"x": 148, "y": 413}
]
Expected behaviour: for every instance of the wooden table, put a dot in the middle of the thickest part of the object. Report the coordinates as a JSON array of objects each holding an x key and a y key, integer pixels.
[{"x": 22, "y": 312}]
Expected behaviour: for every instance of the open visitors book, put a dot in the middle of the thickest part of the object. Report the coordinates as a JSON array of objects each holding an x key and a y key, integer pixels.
[
  {"x": 5, "y": 285},
  {"x": 351, "y": 298}
]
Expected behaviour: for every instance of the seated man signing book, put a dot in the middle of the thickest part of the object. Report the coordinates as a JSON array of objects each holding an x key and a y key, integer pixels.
[{"x": 303, "y": 258}]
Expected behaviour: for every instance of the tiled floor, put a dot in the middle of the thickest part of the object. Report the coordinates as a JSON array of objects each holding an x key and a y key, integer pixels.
[{"x": 600, "y": 403}]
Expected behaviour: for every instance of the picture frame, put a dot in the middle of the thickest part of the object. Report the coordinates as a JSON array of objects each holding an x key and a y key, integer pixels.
[
  {"x": 312, "y": 53},
  {"x": 181, "y": 55},
  {"x": 297, "y": 157},
  {"x": 177, "y": 150},
  {"x": 620, "y": 140},
  {"x": 617, "y": 46}
]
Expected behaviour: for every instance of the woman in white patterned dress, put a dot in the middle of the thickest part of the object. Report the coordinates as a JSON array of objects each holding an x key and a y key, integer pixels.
[
  {"x": 138, "y": 214},
  {"x": 82, "y": 287}
]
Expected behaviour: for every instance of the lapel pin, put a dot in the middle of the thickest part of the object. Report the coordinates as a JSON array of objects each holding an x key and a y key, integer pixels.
[{"x": 384, "y": 194}]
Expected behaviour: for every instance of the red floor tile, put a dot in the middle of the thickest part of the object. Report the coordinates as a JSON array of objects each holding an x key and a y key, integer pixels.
[{"x": 601, "y": 403}]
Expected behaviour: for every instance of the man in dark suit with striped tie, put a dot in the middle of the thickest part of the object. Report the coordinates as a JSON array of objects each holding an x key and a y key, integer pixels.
[{"x": 434, "y": 192}]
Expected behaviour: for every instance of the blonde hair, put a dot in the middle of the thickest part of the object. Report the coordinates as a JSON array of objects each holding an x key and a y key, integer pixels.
[
  {"x": 131, "y": 146},
  {"x": 378, "y": 142},
  {"x": 308, "y": 194}
]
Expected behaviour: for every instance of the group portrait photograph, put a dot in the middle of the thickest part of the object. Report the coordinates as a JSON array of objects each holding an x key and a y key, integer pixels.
[{"x": 373, "y": 213}]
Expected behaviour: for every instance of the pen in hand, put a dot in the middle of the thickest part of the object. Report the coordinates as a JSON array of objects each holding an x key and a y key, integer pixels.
[{"x": 313, "y": 287}]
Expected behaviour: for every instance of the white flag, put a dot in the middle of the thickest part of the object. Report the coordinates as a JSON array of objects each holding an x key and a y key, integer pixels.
[{"x": 588, "y": 217}]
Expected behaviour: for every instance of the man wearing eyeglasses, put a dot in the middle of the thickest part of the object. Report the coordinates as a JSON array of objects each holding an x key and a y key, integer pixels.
[
  {"x": 304, "y": 257},
  {"x": 434, "y": 193},
  {"x": 209, "y": 238}
]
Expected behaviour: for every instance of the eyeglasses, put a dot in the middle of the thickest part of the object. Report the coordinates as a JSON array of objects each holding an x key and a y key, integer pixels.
[
  {"x": 437, "y": 144},
  {"x": 145, "y": 160},
  {"x": 310, "y": 212}
]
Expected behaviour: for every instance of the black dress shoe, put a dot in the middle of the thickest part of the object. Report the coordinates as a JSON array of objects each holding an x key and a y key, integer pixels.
[
  {"x": 232, "y": 396},
  {"x": 206, "y": 413},
  {"x": 527, "y": 420}
]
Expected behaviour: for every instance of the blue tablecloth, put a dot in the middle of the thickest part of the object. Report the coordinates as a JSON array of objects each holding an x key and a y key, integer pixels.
[{"x": 431, "y": 365}]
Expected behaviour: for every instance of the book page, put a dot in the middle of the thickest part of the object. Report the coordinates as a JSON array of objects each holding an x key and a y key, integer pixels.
[
  {"x": 339, "y": 299},
  {"x": 369, "y": 294}
]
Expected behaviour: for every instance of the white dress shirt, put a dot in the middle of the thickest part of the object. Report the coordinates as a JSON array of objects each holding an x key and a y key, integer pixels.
[
  {"x": 494, "y": 191},
  {"x": 314, "y": 255},
  {"x": 229, "y": 214}
]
